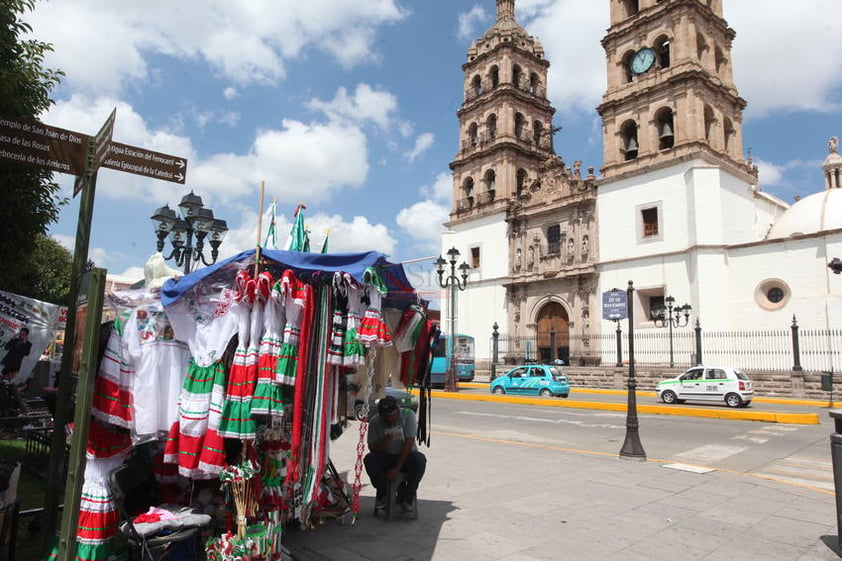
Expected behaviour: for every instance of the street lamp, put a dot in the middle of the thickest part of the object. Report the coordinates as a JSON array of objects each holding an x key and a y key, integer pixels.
[
  {"x": 453, "y": 282},
  {"x": 195, "y": 220},
  {"x": 672, "y": 318}
]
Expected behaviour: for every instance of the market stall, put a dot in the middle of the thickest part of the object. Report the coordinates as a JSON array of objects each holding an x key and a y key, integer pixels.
[{"x": 231, "y": 382}]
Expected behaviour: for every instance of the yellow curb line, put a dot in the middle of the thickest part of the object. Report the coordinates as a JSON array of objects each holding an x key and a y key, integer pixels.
[
  {"x": 730, "y": 414},
  {"x": 645, "y": 393}
]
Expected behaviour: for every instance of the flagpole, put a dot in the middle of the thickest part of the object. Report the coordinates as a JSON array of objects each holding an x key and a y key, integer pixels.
[{"x": 259, "y": 230}]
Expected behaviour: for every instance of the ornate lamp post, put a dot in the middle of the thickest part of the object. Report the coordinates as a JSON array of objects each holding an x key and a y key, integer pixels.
[
  {"x": 453, "y": 283},
  {"x": 672, "y": 318},
  {"x": 632, "y": 448},
  {"x": 195, "y": 223}
]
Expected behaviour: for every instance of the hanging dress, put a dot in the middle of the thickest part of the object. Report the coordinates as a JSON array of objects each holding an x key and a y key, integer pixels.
[
  {"x": 294, "y": 295},
  {"x": 201, "y": 319},
  {"x": 267, "y": 394},
  {"x": 160, "y": 362},
  {"x": 112, "y": 398},
  {"x": 353, "y": 351},
  {"x": 373, "y": 331},
  {"x": 236, "y": 420},
  {"x": 339, "y": 321},
  {"x": 98, "y": 515}
]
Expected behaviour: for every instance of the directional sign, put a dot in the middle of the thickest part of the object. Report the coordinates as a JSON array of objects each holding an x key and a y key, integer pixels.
[
  {"x": 102, "y": 140},
  {"x": 614, "y": 305},
  {"x": 30, "y": 142},
  {"x": 140, "y": 161}
]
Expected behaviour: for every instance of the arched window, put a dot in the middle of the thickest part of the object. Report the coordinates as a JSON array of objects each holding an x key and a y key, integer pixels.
[
  {"x": 628, "y": 134},
  {"x": 490, "y": 184},
  {"x": 662, "y": 49},
  {"x": 516, "y": 74},
  {"x": 472, "y": 134},
  {"x": 468, "y": 187},
  {"x": 710, "y": 120},
  {"x": 519, "y": 121},
  {"x": 701, "y": 46},
  {"x": 728, "y": 130},
  {"x": 491, "y": 126},
  {"x": 494, "y": 75},
  {"x": 537, "y": 132},
  {"x": 630, "y": 7},
  {"x": 476, "y": 85},
  {"x": 626, "y": 64},
  {"x": 664, "y": 128},
  {"x": 720, "y": 59},
  {"x": 533, "y": 83},
  {"x": 520, "y": 181}
]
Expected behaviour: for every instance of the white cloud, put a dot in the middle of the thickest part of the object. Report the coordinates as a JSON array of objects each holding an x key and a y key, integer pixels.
[
  {"x": 366, "y": 104},
  {"x": 770, "y": 174},
  {"x": 423, "y": 222},
  {"x": 245, "y": 42},
  {"x": 469, "y": 23},
  {"x": 230, "y": 93},
  {"x": 346, "y": 235},
  {"x": 422, "y": 144}
]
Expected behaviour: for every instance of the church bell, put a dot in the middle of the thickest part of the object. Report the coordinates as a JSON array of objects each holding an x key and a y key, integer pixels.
[
  {"x": 666, "y": 132},
  {"x": 631, "y": 144}
]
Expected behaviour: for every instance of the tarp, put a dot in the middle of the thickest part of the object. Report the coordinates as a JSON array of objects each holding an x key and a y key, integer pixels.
[{"x": 305, "y": 265}]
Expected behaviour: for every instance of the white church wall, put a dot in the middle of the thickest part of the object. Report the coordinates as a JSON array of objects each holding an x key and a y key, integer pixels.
[{"x": 483, "y": 302}]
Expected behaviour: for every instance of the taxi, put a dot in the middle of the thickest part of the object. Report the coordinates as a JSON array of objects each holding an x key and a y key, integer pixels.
[
  {"x": 532, "y": 379},
  {"x": 708, "y": 383}
]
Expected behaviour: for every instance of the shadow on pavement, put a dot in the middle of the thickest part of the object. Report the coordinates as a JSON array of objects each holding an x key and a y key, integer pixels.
[{"x": 371, "y": 537}]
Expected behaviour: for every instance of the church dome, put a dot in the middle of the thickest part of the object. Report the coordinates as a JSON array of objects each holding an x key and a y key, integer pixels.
[
  {"x": 815, "y": 213},
  {"x": 820, "y": 211}
]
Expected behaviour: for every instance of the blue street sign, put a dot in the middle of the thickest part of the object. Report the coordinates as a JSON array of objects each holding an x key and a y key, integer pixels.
[{"x": 614, "y": 305}]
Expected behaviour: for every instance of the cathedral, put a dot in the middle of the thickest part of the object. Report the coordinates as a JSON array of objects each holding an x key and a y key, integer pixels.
[{"x": 675, "y": 207}]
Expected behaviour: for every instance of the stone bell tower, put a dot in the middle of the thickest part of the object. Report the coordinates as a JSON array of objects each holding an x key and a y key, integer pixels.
[{"x": 670, "y": 88}]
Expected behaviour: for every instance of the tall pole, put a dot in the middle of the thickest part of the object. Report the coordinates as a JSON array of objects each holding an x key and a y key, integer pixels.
[
  {"x": 451, "y": 378},
  {"x": 632, "y": 448},
  {"x": 619, "y": 334},
  {"x": 672, "y": 361}
]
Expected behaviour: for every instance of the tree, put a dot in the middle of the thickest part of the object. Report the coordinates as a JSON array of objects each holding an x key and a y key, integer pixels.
[
  {"x": 29, "y": 198},
  {"x": 45, "y": 274}
]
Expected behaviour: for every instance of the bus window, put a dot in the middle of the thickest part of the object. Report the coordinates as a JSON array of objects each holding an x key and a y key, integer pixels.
[{"x": 464, "y": 363}]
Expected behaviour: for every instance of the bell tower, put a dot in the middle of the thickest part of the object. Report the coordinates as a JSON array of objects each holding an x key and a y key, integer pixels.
[
  {"x": 670, "y": 87},
  {"x": 505, "y": 121}
]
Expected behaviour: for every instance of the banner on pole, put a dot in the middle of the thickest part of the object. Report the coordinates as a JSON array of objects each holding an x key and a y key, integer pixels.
[{"x": 41, "y": 318}]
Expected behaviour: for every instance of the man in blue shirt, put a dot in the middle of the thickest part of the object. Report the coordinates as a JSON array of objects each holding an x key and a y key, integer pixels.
[{"x": 391, "y": 441}]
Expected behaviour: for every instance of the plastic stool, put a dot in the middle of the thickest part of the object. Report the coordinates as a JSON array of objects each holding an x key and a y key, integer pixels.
[{"x": 391, "y": 494}]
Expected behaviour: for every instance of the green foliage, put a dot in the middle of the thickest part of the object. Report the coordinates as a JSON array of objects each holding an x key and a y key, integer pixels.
[
  {"x": 45, "y": 274},
  {"x": 29, "y": 198}
]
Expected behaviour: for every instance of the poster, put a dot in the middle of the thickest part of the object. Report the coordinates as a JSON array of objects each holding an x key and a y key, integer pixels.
[{"x": 41, "y": 318}]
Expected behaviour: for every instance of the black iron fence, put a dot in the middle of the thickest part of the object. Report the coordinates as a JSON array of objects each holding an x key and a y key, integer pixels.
[{"x": 791, "y": 348}]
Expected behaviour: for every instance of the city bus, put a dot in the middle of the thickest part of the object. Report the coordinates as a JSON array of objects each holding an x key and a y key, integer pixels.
[{"x": 463, "y": 349}]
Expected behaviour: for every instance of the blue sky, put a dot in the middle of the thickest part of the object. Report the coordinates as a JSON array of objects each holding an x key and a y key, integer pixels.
[{"x": 350, "y": 106}]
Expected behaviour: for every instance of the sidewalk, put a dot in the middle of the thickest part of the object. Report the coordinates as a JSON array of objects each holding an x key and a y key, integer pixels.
[{"x": 506, "y": 501}]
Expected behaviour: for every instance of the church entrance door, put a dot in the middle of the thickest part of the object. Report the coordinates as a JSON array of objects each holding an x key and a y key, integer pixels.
[{"x": 553, "y": 333}]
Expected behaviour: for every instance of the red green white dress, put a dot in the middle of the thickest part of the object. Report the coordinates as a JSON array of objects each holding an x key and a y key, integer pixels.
[{"x": 267, "y": 394}]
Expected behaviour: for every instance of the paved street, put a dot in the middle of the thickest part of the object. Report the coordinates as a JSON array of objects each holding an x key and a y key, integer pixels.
[{"x": 527, "y": 483}]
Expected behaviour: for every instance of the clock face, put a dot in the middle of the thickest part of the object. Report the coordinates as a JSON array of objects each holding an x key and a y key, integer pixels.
[{"x": 642, "y": 60}]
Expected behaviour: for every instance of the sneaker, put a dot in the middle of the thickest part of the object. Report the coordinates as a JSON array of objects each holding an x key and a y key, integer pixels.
[
  {"x": 380, "y": 505},
  {"x": 410, "y": 510}
]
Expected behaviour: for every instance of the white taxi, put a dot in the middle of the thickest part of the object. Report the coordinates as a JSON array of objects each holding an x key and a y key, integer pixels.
[{"x": 708, "y": 383}]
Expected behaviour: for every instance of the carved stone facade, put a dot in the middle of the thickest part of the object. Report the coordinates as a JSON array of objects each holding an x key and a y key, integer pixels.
[{"x": 506, "y": 169}]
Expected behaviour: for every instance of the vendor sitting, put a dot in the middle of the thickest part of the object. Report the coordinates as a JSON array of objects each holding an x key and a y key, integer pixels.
[{"x": 391, "y": 441}]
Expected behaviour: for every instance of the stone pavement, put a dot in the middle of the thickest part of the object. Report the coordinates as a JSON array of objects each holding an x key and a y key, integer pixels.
[{"x": 506, "y": 501}]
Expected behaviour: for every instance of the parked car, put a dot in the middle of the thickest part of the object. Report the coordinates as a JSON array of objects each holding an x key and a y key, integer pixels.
[
  {"x": 708, "y": 383},
  {"x": 400, "y": 395},
  {"x": 532, "y": 379}
]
